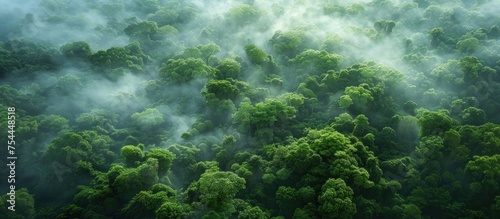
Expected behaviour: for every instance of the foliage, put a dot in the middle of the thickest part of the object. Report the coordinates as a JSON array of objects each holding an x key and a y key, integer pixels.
[
  {"x": 336, "y": 199},
  {"x": 289, "y": 43},
  {"x": 76, "y": 50},
  {"x": 164, "y": 157},
  {"x": 217, "y": 189},
  {"x": 131, "y": 154},
  {"x": 24, "y": 205},
  {"x": 316, "y": 61},
  {"x": 130, "y": 57},
  {"x": 185, "y": 70},
  {"x": 24, "y": 56},
  {"x": 148, "y": 119},
  {"x": 249, "y": 109},
  {"x": 264, "y": 119},
  {"x": 242, "y": 15},
  {"x": 256, "y": 55},
  {"x": 435, "y": 123}
]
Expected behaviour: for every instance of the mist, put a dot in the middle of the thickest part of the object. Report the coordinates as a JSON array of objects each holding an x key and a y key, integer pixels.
[{"x": 286, "y": 106}]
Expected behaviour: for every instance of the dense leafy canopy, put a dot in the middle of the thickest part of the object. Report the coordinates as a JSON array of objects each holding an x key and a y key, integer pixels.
[{"x": 251, "y": 109}]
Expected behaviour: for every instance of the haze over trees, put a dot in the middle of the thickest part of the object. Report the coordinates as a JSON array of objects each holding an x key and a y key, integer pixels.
[{"x": 252, "y": 109}]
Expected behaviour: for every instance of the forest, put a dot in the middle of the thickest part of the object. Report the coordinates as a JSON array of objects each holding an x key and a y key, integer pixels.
[{"x": 250, "y": 109}]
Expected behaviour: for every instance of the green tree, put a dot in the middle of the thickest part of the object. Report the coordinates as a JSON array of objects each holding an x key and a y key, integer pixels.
[
  {"x": 264, "y": 118},
  {"x": 355, "y": 9},
  {"x": 470, "y": 66},
  {"x": 204, "y": 52},
  {"x": 144, "y": 204},
  {"x": 164, "y": 157},
  {"x": 316, "y": 62},
  {"x": 222, "y": 89},
  {"x": 384, "y": 27},
  {"x": 256, "y": 55},
  {"x": 97, "y": 117},
  {"x": 114, "y": 58},
  {"x": 495, "y": 207},
  {"x": 24, "y": 205},
  {"x": 143, "y": 30},
  {"x": 166, "y": 32},
  {"x": 410, "y": 107},
  {"x": 431, "y": 147},
  {"x": 252, "y": 213},
  {"x": 473, "y": 116},
  {"x": 326, "y": 142},
  {"x": 164, "y": 17},
  {"x": 27, "y": 57},
  {"x": 184, "y": 70},
  {"x": 361, "y": 97},
  {"x": 333, "y": 43},
  {"x": 208, "y": 50},
  {"x": 64, "y": 152},
  {"x": 435, "y": 123},
  {"x": 242, "y": 15},
  {"x": 172, "y": 209},
  {"x": 52, "y": 124},
  {"x": 437, "y": 36},
  {"x": 301, "y": 158},
  {"x": 133, "y": 180},
  {"x": 286, "y": 197},
  {"x": 336, "y": 199},
  {"x": 185, "y": 155},
  {"x": 468, "y": 45},
  {"x": 217, "y": 189},
  {"x": 343, "y": 123},
  {"x": 345, "y": 101},
  {"x": 229, "y": 68},
  {"x": 289, "y": 43},
  {"x": 147, "y": 6},
  {"x": 131, "y": 154},
  {"x": 68, "y": 84},
  {"x": 361, "y": 126},
  {"x": 148, "y": 120},
  {"x": 485, "y": 170},
  {"x": 333, "y": 9},
  {"x": 76, "y": 50}
]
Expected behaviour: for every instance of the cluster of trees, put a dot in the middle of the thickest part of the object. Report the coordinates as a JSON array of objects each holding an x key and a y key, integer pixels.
[{"x": 169, "y": 109}]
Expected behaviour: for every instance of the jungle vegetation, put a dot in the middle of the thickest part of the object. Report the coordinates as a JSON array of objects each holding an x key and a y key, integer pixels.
[{"x": 252, "y": 109}]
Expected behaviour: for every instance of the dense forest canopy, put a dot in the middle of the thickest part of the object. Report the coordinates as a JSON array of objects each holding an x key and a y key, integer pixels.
[{"x": 251, "y": 109}]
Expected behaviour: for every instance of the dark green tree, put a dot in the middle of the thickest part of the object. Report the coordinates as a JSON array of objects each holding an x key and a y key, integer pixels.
[
  {"x": 76, "y": 50},
  {"x": 316, "y": 62},
  {"x": 473, "y": 116},
  {"x": 24, "y": 205},
  {"x": 435, "y": 123},
  {"x": 142, "y": 31}
]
